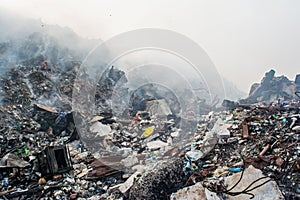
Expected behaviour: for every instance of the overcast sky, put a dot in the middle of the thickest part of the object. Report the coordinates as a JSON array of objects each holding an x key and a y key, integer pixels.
[{"x": 243, "y": 38}]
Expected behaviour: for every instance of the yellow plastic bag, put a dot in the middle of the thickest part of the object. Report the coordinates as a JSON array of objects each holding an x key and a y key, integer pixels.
[{"x": 148, "y": 131}]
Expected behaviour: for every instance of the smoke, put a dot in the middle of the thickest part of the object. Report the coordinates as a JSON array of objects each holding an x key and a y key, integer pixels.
[{"x": 30, "y": 42}]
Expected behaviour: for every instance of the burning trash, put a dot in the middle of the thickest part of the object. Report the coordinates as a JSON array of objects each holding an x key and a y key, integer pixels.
[{"x": 146, "y": 142}]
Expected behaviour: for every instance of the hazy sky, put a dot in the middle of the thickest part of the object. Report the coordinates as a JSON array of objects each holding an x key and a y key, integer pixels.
[{"x": 243, "y": 38}]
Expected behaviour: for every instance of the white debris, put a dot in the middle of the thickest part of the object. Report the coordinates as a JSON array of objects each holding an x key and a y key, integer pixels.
[
  {"x": 194, "y": 155},
  {"x": 196, "y": 191},
  {"x": 128, "y": 183},
  {"x": 268, "y": 191},
  {"x": 130, "y": 161},
  {"x": 100, "y": 129},
  {"x": 157, "y": 144}
]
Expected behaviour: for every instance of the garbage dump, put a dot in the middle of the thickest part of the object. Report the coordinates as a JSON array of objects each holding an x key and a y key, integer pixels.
[
  {"x": 243, "y": 151},
  {"x": 151, "y": 142},
  {"x": 147, "y": 149}
]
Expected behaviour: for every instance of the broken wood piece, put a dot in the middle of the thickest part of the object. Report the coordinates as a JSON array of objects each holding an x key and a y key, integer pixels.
[{"x": 265, "y": 150}]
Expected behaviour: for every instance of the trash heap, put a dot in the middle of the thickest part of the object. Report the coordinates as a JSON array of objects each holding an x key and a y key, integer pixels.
[
  {"x": 41, "y": 155},
  {"x": 150, "y": 152},
  {"x": 272, "y": 88},
  {"x": 253, "y": 139}
]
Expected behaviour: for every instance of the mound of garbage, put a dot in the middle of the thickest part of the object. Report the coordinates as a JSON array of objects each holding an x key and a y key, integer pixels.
[
  {"x": 146, "y": 153},
  {"x": 272, "y": 89},
  {"x": 145, "y": 149}
]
